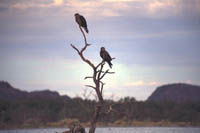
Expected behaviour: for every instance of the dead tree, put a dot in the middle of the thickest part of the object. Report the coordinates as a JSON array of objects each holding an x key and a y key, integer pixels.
[
  {"x": 98, "y": 75},
  {"x": 75, "y": 128}
]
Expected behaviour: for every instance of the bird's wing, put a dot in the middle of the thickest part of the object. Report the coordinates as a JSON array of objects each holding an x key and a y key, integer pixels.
[
  {"x": 78, "y": 20},
  {"x": 107, "y": 56},
  {"x": 83, "y": 21},
  {"x": 101, "y": 54}
]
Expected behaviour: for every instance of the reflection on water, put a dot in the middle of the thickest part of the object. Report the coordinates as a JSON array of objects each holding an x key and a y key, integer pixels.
[{"x": 114, "y": 130}]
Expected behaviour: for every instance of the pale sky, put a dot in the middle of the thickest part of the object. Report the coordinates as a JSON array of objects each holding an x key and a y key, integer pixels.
[{"x": 155, "y": 42}]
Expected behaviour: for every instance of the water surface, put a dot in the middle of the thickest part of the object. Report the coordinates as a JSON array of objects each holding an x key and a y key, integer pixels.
[{"x": 114, "y": 130}]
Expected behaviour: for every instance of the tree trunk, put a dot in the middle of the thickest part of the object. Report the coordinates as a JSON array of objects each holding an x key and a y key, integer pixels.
[
  {"x": 97, "y": 109},
  {"x": 95, "y": 118}
]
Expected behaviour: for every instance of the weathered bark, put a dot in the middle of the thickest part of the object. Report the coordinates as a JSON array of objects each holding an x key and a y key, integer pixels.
[{"x": 95, "y": 118}]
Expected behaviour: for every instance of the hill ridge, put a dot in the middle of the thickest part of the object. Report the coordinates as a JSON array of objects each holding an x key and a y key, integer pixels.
[
  {"x": 9, "y": 93},
  {"x": 176, "y": 92}
]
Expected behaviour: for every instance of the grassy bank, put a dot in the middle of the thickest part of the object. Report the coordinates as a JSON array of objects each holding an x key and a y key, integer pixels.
[
  {"x": 118, "y": 123},
  {"x": 122, "y": 123}
]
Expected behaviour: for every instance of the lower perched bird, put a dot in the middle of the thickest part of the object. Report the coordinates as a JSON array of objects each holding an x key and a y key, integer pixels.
[
  {"x": 105, "y": 56},
  {"x": 81, "y": 21}
]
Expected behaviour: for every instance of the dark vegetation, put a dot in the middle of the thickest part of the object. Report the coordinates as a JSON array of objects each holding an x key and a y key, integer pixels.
[{"x": 19, "y": 109}]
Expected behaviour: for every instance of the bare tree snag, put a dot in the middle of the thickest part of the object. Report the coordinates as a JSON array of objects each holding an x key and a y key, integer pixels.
[{"x": 98, "y": 75}]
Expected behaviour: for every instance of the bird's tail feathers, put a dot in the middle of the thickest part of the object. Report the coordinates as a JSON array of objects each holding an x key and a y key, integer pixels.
[
  {"x": 86, "y": 29},
  {"x": 110, "y": 64}
]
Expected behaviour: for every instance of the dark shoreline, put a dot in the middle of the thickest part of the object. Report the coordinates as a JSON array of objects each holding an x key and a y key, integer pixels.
[{"x": 104, "y": 125}]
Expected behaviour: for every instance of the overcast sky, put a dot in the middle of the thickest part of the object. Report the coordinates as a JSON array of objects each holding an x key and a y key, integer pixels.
[{"x": 155, "y": 42}]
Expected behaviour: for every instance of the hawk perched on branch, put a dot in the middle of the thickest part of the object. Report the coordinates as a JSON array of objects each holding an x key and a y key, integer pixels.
[
  {"x": 81, "y": 21},
  {"x": 105, "y": 56}
]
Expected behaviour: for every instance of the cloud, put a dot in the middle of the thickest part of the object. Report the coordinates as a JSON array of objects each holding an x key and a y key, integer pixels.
[
  {"x": 102, "y": 8},
  {"x": 141, "y": 83},
  {"x": 32, "y": 4},
  {"x": 157, "y": 6},
  {"x": 119, "y": 0},
  {"x": 58, "y": 2}
]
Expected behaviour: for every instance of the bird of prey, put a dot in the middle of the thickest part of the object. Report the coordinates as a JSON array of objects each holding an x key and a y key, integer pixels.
[
  {"x": 105, "y": 56},
  {"x": 81, "y": 21}
]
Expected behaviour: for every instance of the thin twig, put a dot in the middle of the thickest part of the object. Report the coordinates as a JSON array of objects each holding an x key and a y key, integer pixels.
[
  {"x": 102, "y": 62},
  {"x": 87, "y": 95},
  {"x": 90, "y": 86},
  {"x": 88, "y": 77},
  {"x": 99, "y": 74},
  {"x": 83, "y": 35},
  {"x": 106, "y": 72},
  {"x": 75, "y": 49}
]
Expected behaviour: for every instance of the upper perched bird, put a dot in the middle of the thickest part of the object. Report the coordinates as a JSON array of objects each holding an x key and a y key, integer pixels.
[
  {"x": 105, "y": 56},
  {"x": 81, "y": 21}
]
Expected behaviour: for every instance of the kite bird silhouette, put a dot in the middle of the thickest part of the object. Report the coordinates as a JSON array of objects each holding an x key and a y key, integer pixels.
[
  {"x": 105, "y": 56},
  {"x": 81, "y": 21}
]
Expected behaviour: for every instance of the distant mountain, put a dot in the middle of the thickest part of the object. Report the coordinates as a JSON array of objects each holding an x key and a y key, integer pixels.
[
  {"x": 178, "y": 93},
  {"x": 9, "y": 93}
]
